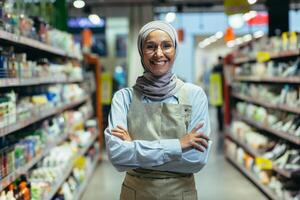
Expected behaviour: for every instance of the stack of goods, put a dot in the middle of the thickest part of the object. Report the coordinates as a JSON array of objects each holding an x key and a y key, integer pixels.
[
  {"x": 280, "y": 156},
  {"x": 33, "y": 27},
  {"x": 288, "y": 41}
]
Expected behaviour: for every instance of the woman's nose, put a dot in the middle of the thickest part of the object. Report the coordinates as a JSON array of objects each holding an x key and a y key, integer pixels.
[{"x": 159, "y": 51}]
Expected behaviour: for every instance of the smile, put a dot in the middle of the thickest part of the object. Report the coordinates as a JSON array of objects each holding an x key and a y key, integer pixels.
[{"x": 158, "y": 62}]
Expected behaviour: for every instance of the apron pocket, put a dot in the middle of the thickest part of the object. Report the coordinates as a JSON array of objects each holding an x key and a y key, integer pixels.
[
  {"x": 127, "y": 193},
  {"x": 190, "y": 195}
]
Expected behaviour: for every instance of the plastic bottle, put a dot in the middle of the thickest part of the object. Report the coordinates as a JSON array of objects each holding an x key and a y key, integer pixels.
[
  {"x": 10, "y": 196},
  {"x": 3, "y": 196}
]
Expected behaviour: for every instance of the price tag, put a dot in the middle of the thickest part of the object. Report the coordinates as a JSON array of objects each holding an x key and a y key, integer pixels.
[
  {"x": 263, "y": 163},
  {"x": 262, "y": 56}
]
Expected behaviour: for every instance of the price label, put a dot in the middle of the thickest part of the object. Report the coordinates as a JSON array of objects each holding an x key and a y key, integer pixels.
[
  {"x": 262, "y": 56},
  {"x": 263, "y": 163}
]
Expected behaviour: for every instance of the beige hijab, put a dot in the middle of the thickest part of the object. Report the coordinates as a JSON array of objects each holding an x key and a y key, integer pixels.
[{"x": 157, "y": 87}]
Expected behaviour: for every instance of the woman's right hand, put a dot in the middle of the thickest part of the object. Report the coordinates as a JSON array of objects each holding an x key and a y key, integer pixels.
[{"x": 195, "y": 140}]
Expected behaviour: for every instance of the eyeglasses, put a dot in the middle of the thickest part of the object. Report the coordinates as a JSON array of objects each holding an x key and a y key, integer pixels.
[{"x": 151, "y": 47}]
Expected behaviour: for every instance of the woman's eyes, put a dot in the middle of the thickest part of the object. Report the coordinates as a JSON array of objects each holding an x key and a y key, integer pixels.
[
  {"x": 150, "y": 46},
  {"x": 163, "y": 46},
  {"x": 166, "y": 45}
]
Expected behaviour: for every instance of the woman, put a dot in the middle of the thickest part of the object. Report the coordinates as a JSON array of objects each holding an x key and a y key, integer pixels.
[{"x": 158, "y": 130}]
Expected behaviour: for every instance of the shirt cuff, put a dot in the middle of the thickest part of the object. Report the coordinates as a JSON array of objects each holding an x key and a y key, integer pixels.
[{"x": 172, "y": 149}]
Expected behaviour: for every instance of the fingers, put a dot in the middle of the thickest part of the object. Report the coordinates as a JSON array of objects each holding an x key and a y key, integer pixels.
[
  {"x": 201, "y": 142},
  {"x": 196, "y": 146},
  {"x": 122, "y": 128},
  {"x": 117, "y": 130},
  {"x": 197, "y": 127},
  {"x": 203, "y": 136},
  {"x": 119, "y": 135}
]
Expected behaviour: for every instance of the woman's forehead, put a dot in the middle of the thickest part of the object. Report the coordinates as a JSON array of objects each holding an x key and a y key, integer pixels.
[{"x": 158, "y": 35}]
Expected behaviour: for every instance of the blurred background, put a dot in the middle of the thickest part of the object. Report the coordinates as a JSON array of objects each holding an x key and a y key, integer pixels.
[{"x": 61, "y": 61}]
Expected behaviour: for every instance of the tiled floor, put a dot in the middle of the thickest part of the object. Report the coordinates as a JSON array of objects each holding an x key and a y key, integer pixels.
[{"x": 217, "y": 181}]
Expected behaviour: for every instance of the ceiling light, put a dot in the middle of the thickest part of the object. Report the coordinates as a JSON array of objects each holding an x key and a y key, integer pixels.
[
  {"x": 95, "y": 19},
  {"x": 170, "y": 17},
  {"x": 247, "y": 37},
  {"x": 230, "y": 44},
  {"x": 78, "y": 4},
  {"x": 219, "y": 34},
  {"x": 236, "y": 21},
  {"x": 238, "y": 41},
  {"x": 252, "y": 1},
  {"x": 258, "y": 34}
]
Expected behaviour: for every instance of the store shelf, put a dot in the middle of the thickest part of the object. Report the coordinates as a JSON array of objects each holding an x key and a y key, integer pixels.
[
  {"x": 287, "y": 136},
  {"x": 244, "y": 59},
  {"x": 293, "y": 80},
  {"x": 266, "y": 104},
  {"x": 18, "y": 172},
  {"x": 254, "y": 153},
  {"x": 267, "y": 191},
  {"x": 28, "y": 42},
  {"x": 273, "y": 55},
  {"x": 83, "y": 186},
  {"x": 244, "y": 146},
  {"x": 42, "y": 115},
  {"x": 10, "y": 82},
  {"x": 69, "y": 169}
]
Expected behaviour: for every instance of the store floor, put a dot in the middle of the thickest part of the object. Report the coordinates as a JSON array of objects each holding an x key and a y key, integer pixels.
[{"x": 217, "y": 181}]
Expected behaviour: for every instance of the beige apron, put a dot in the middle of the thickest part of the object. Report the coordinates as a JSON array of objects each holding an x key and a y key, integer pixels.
[{"x": 154, "y": 121}]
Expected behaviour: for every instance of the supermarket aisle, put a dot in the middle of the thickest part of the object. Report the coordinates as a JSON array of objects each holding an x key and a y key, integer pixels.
[{"x": 218, "y": 180}]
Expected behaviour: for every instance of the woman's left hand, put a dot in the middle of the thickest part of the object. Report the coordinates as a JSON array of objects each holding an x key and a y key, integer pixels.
[{"x": 121, "y": 133}]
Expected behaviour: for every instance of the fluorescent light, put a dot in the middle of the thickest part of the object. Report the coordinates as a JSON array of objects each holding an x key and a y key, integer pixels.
[
  {"x": 78, "y": 4},
  {"x": 230, "y": 44},
  {"x": 238, "y": 41},
  {"x": 236, "y": 21},
  {"x": 252, "y": 1},
  {"x": 258, "y": 34},
  {"x": 95, "y": 19},
  {"x": 247, "y": 37},
  {"x": 170, "y": 17},
  {"x": 219, "y": 34}
]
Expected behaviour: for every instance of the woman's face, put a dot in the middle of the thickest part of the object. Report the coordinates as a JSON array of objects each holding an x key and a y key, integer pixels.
[{"x": 158, "y": 53}]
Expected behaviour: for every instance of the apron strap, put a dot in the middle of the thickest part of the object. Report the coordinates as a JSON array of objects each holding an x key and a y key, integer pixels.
[{"x": 183, "y": 97}]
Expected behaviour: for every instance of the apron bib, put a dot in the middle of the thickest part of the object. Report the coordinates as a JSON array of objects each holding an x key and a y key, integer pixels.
[{"x": 154, "y": 121}]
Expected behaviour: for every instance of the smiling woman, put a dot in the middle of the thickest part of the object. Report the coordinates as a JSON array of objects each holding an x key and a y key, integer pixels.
[{"x": 158, "y": 130}]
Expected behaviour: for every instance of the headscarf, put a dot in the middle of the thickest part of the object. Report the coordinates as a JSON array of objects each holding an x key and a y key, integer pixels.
[{"x": 157, "y": 87}]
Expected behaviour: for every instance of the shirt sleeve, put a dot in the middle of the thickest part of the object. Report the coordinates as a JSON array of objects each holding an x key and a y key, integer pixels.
[
  {"x": 192, "y": 160},
  {"x": 126, "y": 155}
]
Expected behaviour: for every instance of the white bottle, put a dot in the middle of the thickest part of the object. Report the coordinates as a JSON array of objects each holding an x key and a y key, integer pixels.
[
  {"x": 10, "y": 196},
  {"x": 3, "y": 196}
]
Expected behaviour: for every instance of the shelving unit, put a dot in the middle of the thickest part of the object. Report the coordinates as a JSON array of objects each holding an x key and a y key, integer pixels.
[
  {"x": 37, "y": 114},
  {"x": 268, "y": 192},
  {"x": 83, "y": 186},
  {"x": 293, "y": 141},
  {"x": 32, "y": 44},
  {"x": 69, "y": 168},
  {"x": 254, "y": 153},
  {"x": 292, "y": 80},
  {"x": 287, "y": 136},
  {"x": 41, "y": 115},
  {"x": 273, "y": 55},
  {"x": 10, "y": 82},
  {"x": 266, "y": 104}
]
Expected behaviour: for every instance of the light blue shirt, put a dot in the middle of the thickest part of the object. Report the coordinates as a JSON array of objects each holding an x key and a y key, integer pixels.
[{"x": 164, "y": 154}]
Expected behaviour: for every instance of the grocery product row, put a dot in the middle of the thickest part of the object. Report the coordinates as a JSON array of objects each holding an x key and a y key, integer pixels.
[
  {"x": 266, "y": 48},
  {"x": 283, "y": 97},
  {"x": 258, "y": 169},
  {"x": 33, "y": 103},
  {"x": 263, "y": 138},
  {"x": 69, "y": 134},
  {"x": 34, "y": 32}
]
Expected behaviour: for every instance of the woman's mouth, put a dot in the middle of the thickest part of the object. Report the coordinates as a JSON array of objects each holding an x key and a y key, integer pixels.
[{"x": 161, "y": 62}]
